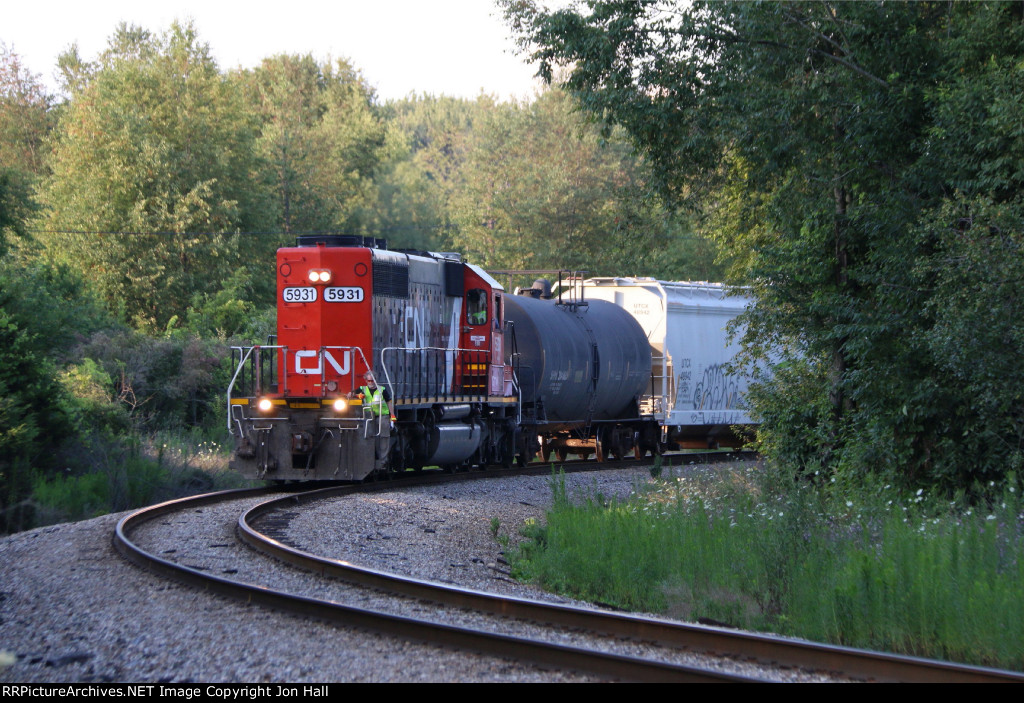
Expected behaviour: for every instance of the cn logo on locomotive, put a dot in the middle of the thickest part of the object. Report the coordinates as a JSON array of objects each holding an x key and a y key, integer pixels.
[{"x": 342, "y": 369}]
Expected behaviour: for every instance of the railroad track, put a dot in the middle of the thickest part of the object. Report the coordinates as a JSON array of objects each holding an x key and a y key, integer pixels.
[{"x": 656, "y": 641}]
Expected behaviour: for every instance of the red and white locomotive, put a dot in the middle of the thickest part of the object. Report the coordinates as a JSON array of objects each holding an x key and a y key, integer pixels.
[{"x": 431, "y": 329}]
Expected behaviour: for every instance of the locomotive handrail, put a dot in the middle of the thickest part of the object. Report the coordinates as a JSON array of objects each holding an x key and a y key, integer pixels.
[
  {"x": 449, "y": 356},
  {"x": 245, "y": 353},
  {"x": 238, "y": 421},
  {"x": 244, "y": 357},
  {"x": 352, "y": 373}
]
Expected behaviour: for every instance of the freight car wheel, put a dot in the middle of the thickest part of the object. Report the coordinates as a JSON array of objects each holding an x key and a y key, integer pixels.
[
  {"x": 600, "y": 447},
  {"x": 545, "y": 451},
  {"x": 561, "y": 454}
]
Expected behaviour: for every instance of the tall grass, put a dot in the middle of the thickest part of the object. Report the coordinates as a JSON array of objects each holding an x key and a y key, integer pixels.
[
  {"x": 132, "y": 475},
  {"x": 864, "y": 566}
]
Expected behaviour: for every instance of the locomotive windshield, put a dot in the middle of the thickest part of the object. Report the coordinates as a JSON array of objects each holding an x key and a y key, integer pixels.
[{"x": 476, "y": 306}]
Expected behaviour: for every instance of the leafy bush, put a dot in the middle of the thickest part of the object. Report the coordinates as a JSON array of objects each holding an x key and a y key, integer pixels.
[
  {"x": 123, "y": 475},
  {"x": 162, "y": 383},
  {"x": 30, "y": 417}
]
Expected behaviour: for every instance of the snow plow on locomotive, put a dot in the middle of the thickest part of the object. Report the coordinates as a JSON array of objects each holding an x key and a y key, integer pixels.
[{"x": 390, "y": 360}]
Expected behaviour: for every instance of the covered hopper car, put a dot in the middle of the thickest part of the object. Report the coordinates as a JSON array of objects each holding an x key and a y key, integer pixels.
[{"x": 697, "y": 400}]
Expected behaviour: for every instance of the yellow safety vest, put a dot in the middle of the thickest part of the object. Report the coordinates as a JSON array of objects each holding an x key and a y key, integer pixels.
[{"x": 375, "y": 400}]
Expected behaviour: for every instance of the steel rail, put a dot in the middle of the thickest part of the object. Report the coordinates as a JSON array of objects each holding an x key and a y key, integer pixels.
[
  {"x": 543, "y": 654},
  {"x": 767, "y": 649}
]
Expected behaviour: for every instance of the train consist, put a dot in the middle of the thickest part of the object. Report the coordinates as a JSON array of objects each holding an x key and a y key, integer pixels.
[{"x": 389, "y": 360}]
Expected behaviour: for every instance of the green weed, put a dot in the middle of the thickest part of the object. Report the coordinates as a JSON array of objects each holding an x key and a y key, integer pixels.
[
  {"x": 864, "y": 566},
  {"x": 131, "y": 475}
]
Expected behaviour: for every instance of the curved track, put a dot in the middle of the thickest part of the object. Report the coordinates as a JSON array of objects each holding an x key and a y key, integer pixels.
[
  {"x": 518, "y": 648},
  {"x": 664, "y": 634}
]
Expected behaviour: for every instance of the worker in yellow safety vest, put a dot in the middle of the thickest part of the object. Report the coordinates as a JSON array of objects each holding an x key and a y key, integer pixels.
[{"x": 375, "y": 399}]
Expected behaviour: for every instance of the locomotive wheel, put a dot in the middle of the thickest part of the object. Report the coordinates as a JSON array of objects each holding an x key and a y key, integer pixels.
[
  {"x": 507, "y": 448},
  {"x": 522, "y": 449},
  {"x": 506, "y": 454}
]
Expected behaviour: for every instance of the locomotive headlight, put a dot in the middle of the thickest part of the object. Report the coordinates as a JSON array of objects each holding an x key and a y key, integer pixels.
[
  {"x": 319, "y": 275},
  {"x": 264, "y": 405},
  {"x": 339, "y": 405}
]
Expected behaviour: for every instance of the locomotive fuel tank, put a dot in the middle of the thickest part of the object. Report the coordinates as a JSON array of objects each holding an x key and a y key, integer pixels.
[{"x": 577, "y": 362}]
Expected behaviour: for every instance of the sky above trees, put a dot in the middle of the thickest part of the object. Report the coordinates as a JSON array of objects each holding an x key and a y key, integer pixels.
[{"x": 451, "y": 47}]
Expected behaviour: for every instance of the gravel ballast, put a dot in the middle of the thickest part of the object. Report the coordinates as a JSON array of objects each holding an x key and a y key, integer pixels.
[{"x": 72, "y": 610}]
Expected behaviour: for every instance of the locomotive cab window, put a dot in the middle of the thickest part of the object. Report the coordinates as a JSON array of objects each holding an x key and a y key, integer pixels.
[{"x": 476, "y": 306}]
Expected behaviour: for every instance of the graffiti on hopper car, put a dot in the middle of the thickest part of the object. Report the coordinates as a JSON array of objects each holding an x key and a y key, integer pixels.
[{"x": 716, "y": 390}]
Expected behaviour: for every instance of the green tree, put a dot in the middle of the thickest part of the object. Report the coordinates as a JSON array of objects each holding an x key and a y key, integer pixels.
[
  {"x": 30, "y": 419},
  {"x": 45, "y": 311},
  {"x": 825, "y": 144},
  {"x": 24, "y": 124},
  {"x": 153, "y": 169},
  {"x": 15, "y": 207},
  {"x": 427, "y": 144},
  {"x": 320, "y": 135},
  {"x": 541, "y": 188},
  {"x": 24, "y": 116}
]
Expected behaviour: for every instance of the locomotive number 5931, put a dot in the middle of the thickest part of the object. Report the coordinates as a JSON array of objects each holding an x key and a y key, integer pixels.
[
  {"x": 304, "y": 294},
  {"x": 352, "y": 294}
]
